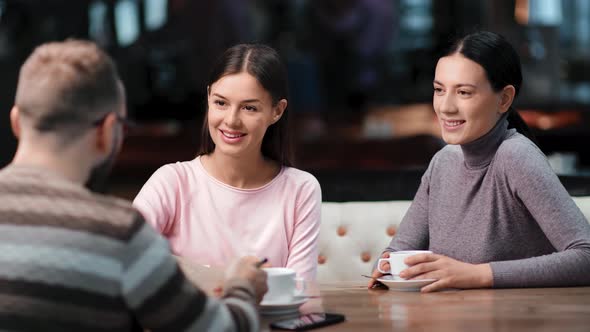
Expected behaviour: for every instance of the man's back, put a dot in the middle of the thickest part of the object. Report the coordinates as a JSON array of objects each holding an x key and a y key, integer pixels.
[{"x": 76, "y": 261}]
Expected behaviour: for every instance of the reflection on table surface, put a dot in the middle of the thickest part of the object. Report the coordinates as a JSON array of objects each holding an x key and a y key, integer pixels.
[
  {"x": 540, "y": 309},
  {"x": 534, "y": 309}
]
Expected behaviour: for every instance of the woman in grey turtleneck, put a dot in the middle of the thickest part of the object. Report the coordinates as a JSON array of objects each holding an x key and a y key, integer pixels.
[{"x": 489, "y": 205}]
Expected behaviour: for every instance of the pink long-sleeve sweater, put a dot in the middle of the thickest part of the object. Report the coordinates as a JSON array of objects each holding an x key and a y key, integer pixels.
[{"x": 212, "y": 223}]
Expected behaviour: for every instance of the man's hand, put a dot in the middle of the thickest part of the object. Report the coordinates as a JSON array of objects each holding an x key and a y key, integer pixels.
[{"x": 245, "y": 268}]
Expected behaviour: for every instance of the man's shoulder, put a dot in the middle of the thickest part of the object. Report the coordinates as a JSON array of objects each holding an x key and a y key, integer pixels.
[
  {"x": 52, "y": 202},
  {"x": 115, "y": 216},
  {"x": 113, "y": 203}
]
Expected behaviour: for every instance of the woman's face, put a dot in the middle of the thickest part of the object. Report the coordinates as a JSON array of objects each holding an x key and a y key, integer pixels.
[
  {"x": 464, "y": 101},
  {"x": 239, "y": 112}
]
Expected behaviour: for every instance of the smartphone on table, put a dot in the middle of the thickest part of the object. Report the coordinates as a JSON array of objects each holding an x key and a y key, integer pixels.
[{"x": 308, "y": 321}]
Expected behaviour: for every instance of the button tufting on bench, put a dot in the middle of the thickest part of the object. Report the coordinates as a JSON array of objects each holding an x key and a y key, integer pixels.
[
  {"x": 353, "y": 234},
  {"x": 365, "y": 257},
  {"x": 390, "y": 231},
  {"x": 353, "y": 230}
]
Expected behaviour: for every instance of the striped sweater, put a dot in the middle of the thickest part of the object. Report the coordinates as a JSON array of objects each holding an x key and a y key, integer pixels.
[{"x": 72, "y": 260}]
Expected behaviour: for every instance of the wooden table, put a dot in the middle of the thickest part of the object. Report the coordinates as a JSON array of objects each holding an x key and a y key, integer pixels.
[
  {"x": 539, "y": 309},
  {"x": 534, "y": 309}
]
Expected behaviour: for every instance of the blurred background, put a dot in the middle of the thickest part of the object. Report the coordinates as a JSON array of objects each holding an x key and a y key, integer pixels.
[{"x": 360, "y": 76}]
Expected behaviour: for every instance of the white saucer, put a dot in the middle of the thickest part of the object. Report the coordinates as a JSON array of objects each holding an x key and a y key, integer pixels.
[
  {"x": 405, "y": 285},
  {"x": 274, "y": 308}
]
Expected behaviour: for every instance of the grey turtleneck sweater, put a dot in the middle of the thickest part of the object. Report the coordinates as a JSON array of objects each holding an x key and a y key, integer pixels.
[{"x": 496, "y": 200}]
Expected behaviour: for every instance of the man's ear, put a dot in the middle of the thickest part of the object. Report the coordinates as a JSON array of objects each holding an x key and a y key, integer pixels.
[
  {"x": 105, "y": 133},
  {"x": 278, "y": 110},
  {"x": 15, "y": 121},
  {"x": 506, "y": 98}
]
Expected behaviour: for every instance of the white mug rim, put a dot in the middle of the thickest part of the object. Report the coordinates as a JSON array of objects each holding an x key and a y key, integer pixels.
[{"x": 279, "y": 271}]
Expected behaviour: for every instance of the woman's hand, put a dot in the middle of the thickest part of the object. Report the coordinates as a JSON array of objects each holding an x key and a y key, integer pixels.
[
  {"x": 376, "y": 274},
  {"x": 450, "y": 273}
]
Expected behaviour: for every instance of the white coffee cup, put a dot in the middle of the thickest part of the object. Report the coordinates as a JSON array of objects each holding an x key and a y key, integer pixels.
[
  {"x": 282, "y": 285},
  {"x": 396, "y": 261}
]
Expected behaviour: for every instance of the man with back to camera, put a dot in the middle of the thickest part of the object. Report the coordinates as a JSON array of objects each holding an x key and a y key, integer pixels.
[{"x": 75, "y": 260}]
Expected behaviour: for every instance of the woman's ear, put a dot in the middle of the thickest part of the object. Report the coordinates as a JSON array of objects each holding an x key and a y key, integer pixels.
[
  {"x": 506, "y": 98},
  {"x": 15, "y": 121},
  {"x": 278, "y": 110}
]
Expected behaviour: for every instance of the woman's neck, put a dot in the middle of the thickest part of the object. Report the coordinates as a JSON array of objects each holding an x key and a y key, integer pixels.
[
  {"x": 240, "y": 172},
  {"x": 480, "y": 152}
]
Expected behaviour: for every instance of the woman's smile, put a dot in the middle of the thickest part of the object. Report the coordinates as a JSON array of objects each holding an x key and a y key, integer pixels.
[
  {"x": 452, "y": 125},
  {"x": 232, "y": 137}
]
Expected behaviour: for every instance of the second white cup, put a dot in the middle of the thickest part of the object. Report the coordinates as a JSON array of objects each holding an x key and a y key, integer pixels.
[
  {"x": 396, "y": 261},
  {"x": 282, "y": 285}
]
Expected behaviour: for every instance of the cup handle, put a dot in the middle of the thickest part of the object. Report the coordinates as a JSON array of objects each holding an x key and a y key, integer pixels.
[
  {"x": 379, "y": 265},
  {"x": 300, "y": 291}
]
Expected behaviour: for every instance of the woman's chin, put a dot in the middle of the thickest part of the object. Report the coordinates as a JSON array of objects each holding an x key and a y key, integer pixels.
[{"x": 452, "y": 140}]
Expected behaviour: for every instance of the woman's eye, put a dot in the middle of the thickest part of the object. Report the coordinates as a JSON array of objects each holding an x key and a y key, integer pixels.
[
  {"x": 250, "y": 108},
  {"x": 219, "y": 102},
  {"x": 464, "y": 93},
  {"x": 438, "y": 91}
]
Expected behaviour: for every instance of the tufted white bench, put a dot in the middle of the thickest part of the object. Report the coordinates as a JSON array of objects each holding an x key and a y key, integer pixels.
[{"x": 353, "y": 234}]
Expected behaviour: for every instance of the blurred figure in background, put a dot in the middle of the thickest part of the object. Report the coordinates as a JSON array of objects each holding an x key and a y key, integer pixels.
[
  {"x": 241, "y": 195},
  {"x": 350, "y": 40},
  {"x": 15, "y": 31},
  {"x": 74, "y": 260}
]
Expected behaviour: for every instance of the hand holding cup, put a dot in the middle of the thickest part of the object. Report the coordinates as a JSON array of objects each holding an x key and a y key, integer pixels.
[{"x": 392, "y": 263}]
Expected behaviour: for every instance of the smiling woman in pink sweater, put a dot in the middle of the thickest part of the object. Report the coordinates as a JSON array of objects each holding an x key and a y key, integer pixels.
[{"x": 240, "y": 196}]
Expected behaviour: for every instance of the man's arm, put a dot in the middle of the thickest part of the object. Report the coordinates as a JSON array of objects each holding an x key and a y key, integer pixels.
[{"x": 162, "y": 299}]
